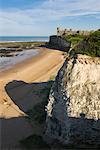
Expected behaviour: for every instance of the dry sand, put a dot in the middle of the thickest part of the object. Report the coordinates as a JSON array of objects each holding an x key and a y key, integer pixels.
[{"x": 16, "y": 93}]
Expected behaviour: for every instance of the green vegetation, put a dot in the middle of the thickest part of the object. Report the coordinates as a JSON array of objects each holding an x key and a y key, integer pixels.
[
  {"x": 90, "y": 45},
  {"x": 74, "y": 39},
  {"x": 34, "y": 142},
  {"x": 94, "y": 42}
]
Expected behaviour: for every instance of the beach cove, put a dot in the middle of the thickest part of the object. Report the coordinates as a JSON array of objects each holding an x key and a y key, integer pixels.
[{"x": 37, "y": 69}]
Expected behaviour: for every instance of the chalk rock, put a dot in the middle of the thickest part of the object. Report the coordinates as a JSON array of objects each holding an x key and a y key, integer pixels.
[{"x": 73, "y": 110}]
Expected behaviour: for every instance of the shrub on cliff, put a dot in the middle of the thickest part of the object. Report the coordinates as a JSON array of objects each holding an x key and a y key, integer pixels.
[
  {"x": 74, "y": 39},
  {"x": 89, "y": 46}
]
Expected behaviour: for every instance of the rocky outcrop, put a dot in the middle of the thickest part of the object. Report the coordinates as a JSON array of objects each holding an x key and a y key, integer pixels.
[
  {"x": 73, "y": 110},
  {"x": 57, "y": 42},
  {"x": 9, "y": 52}
]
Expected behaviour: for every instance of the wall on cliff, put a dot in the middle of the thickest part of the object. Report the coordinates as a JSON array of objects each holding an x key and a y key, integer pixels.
[
  {"x": 73, "y": 110},
  {"x": 56, "y": 42}
]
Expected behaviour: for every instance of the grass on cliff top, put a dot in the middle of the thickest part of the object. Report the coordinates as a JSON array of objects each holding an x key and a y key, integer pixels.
[
  {"x": 90, "y": 45},
  {"x": 74, "y": 39}
]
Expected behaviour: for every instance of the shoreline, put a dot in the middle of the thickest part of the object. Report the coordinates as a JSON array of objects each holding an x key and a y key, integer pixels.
[
  {"x": 18, "y": 62},
  {"x": 25, "y": 63},
  {"x": 21, "y": 44},
  {"x": 38, "y": 68}
]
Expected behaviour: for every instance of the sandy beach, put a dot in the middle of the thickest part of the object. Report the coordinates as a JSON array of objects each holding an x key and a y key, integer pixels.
[{"x": 16, "y": 84}]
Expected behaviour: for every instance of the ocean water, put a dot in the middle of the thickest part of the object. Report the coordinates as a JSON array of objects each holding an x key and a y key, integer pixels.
[
  {"x": 9, "y": 62},
  {"x": 24, "y": 38}
]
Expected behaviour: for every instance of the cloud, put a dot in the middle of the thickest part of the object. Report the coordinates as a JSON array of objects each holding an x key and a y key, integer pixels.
[
  {"x": 68, "y": 7},
  {"x": 49, "y": 10},
  {"x": 54, "y": 10}
]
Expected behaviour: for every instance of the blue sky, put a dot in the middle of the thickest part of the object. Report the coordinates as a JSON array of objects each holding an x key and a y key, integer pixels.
[{"x": 42, "y": 17}]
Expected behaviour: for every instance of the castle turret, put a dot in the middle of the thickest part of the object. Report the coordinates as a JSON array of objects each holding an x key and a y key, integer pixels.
[{"x": 58, "y": 31}]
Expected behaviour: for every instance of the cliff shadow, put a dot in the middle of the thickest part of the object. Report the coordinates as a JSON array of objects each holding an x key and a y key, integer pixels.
[
  {"x": 17, "y": 134},
  {"x": 28, "y": 97},
  {"x": 13, "y": 130},
  {"x": 25, "y": 96}
]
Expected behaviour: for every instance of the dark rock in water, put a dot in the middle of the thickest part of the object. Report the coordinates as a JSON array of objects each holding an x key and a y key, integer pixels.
[
  {"x": 73, "y": 110},
  {"x": 9, "y": 52},
  {"x": 57, "y": 42},
  {"x": 7, "y": 49}
]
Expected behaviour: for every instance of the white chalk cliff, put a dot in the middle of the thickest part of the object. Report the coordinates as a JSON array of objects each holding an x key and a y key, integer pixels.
[{"x": 73, "y": 110}]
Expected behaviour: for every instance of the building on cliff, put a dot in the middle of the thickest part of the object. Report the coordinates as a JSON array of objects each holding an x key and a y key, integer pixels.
[{"x": 64, "y": 32}]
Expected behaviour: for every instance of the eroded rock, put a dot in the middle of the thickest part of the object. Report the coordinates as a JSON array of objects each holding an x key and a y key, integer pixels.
[{"x": 73, "y": 110}]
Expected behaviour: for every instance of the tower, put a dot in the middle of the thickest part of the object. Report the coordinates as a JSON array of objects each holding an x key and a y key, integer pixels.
[{"x": 58, "y": 31}]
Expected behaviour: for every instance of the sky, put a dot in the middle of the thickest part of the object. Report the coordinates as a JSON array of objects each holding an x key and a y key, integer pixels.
[{"x": 42, "y": 17}]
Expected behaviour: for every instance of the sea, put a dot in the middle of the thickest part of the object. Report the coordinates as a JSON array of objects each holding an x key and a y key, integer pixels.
[
  {"x": 24, "y": 38},
  {"x": 9, "y": 62}
]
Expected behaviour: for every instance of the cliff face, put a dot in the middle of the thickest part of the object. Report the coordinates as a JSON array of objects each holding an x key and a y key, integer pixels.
[
  {"x": 57, "y": 42},
  {"x": 73, "y": 110}
]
